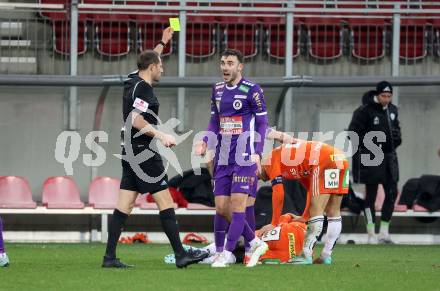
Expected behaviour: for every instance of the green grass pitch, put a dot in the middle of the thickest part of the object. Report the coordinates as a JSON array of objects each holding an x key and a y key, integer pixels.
[{"x": 356, "y": 267}]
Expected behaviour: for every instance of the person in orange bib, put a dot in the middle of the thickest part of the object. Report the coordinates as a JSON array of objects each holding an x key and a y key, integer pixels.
[
  {"x": 285, "y": 241},
  {"x": 323, "y": 171}
]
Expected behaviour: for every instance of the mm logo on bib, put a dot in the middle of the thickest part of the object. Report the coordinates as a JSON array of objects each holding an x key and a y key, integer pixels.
[
  {"x": 331, "y": 179},
  {"x": 273, "y": 235}
]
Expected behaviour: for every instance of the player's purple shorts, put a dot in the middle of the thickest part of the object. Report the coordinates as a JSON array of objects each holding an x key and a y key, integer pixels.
[{"x": 235, "y": 179}]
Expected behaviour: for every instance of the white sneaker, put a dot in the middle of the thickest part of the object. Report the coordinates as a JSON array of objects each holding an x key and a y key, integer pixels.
[
  {"x": 4, "y": 260},
  {"x": 209, "y": 260},
  {"x": 224, "y": 259},
  {"x": 258, "y": 248},
  {"x": 372, "y": 239}
]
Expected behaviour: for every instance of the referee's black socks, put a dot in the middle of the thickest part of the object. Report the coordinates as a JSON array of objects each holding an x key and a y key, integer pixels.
[
  {"x": 169, "y": 225},
  {"x": 114, "y": 232}
]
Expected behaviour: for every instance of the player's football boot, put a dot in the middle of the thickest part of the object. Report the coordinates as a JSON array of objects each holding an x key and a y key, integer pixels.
[
  {"x": 4, "y": 260},
  {"x": 301, "y": 260},
  {"x": 191, "y": 256},
  {"x": 258, "y": 249},
  {"x": 224, "y": 259},
  {"x": 114, "y": 263},
  {"x": 323, "y": 261},
  {"x": 209, "y": 260},
  {"x": 385, "y": 241}
]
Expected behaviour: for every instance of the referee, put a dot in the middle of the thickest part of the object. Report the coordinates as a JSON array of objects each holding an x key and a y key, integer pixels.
[{"x": 141, "y": 107}]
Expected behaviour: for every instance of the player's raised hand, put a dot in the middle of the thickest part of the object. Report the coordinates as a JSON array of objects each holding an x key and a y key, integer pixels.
[
  {"x": 167, "y": 34},
  {"x": 265, "y": 229},
  {"x": 257, "y": 160},
  {"x": 200, "y": 147}
]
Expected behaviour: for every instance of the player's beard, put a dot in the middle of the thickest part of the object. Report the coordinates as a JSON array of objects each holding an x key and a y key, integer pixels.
[{"x": 232, "y": 78}]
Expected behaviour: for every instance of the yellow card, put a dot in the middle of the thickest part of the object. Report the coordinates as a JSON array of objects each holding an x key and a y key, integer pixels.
[{"x": 175, "y": 24}]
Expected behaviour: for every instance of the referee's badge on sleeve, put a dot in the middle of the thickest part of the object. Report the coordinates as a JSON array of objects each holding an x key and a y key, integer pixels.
[{"x": 140, "y": 104}]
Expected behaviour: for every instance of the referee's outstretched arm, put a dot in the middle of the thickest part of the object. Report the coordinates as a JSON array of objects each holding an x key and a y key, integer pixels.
[{"x": 167, "y": 35}]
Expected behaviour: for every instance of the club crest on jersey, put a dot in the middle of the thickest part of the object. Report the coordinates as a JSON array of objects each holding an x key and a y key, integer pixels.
[
  {"x": 376, "y": 120},
  {"x": 392, "y": 116},
  {"x": 237, "y": 104}
]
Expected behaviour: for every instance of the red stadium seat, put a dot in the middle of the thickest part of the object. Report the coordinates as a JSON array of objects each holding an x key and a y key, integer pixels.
[
  {"x": 61, "y": 28},
  {"x": 275, "y": 40},
  {"x": 103, "y": 192},
  {"x": 61, "y": 192},
  {"x": 413, "y": 35},
  {"x": 15, "y": 193},
  {"x": 197, "y": 206},
  {"x": 418, "y": 208},
  {"x": 367, "y": 38},
  {"x": 241, "y": 33},
  {"x": 324, "y": 38},
  {"x": 200, "y": 36},
  {"x": 112, "y": 33},
  {"x": 149, "y": 32},
  {"x": 142, "y": 203},
  {"x": 436, "y": 36}
]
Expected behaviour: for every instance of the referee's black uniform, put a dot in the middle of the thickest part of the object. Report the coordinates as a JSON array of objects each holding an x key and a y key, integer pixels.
[
  {"x": 139, "y": 96},
  {"x": 147, "y": 176}
]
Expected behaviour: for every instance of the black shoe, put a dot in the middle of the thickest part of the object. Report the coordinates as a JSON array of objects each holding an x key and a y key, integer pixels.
[
  {"x": 114, "y": 263},
  {"x": 190, "y": 257}
]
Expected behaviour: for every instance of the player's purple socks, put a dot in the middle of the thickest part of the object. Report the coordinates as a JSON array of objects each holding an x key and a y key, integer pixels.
[
  {"x": 235, "y": 230},
  {"x": 220, "y": 228},
  {"x": 2, "y": 245},
  {"x": 250, "y": 219}
]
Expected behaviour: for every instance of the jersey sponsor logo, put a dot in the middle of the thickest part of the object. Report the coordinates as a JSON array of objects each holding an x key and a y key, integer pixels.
[
  {"x": 337, "y": 157},
  {"x": 346, "y": 180},
  {"x": 392, "y": 116},
  {"x": 231, "y": 125},
  {"x": 243, "y": 88},
  {"x": 240, "y": 96},
  {"x": 257, "y": 100},
  {"x": 250, "y": 84},
  {"x": 292, "y": 250},
  {"x": 237, "y": 104},
  {"x": 331, "y": 179},
  {"x": 140, "y": 104},
  {"x": 376, "y": 120},
  {"x": 273, "y": 235}
]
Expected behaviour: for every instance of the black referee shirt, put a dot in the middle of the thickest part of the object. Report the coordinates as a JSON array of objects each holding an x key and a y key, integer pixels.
[{"x": 139, "y": 96}]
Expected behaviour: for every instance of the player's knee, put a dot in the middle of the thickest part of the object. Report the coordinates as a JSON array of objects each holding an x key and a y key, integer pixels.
[{"x": 222, "y": 210}]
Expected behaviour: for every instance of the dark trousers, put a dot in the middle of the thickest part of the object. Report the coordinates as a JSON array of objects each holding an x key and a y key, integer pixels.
[{"x": 390, "y": 189}]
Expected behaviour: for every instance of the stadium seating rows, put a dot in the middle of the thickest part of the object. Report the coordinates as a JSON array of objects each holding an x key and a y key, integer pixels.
[
  {"x": 62, "y": 193},
  {"x": 322, "y": 37}
]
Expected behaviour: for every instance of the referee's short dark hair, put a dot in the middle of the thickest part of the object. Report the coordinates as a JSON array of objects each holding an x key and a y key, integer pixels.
[
  {"x": 233, "y": 52},
  {"x": 146, "y": 58}
]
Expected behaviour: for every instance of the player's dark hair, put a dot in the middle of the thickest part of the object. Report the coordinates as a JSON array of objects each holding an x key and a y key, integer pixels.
[
  {"x": 233, "y": 52},
  {"x": 146, "y": 58}
]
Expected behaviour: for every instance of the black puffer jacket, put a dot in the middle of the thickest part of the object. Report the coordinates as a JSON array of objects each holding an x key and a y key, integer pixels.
[{"x": 371, "y": 116}]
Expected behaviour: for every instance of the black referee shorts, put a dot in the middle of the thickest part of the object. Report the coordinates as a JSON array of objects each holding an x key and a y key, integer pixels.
[{"x": 152, "y": 167}]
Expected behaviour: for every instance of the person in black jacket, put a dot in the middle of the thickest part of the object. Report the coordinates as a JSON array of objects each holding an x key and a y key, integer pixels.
[{"x": 377, "y": 114}]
